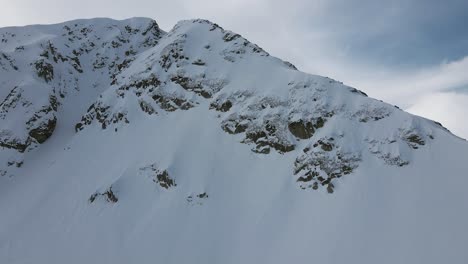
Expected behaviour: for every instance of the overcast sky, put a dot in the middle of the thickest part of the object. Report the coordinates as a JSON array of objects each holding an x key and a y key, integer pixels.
[{"x": 412, "y": 53}]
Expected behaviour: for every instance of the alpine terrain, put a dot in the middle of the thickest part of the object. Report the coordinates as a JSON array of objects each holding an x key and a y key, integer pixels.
[{"x": 123, "y": 143}]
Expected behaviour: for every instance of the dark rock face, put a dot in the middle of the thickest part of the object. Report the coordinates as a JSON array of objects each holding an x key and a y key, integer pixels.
[
  {"x": 191, "y": 85},
  {"x": 414, "y": 141},
  {"x": 230, "y": 36},
  {"x": 158, "y": 175},
  {"x": 262, "y": 129},
  {"x": 234, "y": 127},
  {"x": 322, "y": 163},
  {"x": 39, "y": 125},
  {"x": 109, "y": 195},
  {"x": 103, "y": 115},
  {"x": 11, "y": 101},
  {"x": 14, "y": 144},
  {"x": 44, "y": 131},
  {"x": 165, "y": 180},
  {"x": 222, "y": 107},
  {"x": 199, "y": 62},
  {"x": 264, "y": 140},
  {"x": 44, "y": 70},
  {"x": 326, "y": 145},
  {"x": 147, "y": 107},
  {"x": 301, "y": 129},
  {"x": 171, "y": 103}
]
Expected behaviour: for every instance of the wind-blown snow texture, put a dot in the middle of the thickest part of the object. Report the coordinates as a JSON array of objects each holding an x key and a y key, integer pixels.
[{"x": 121, "y": 143}]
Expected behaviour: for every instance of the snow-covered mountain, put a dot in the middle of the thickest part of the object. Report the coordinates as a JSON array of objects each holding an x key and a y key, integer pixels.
[{"x": 123, "y": 143}]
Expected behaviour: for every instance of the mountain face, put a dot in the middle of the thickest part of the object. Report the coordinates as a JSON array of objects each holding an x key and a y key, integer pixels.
[{"x": 123, "y": 143}]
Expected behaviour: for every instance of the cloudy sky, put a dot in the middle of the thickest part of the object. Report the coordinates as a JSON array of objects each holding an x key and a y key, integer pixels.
[{"x": 412, "y": 53}]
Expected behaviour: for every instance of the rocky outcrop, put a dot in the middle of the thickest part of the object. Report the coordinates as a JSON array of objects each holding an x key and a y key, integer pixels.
[
  {"x": 198, "y": 199},
  {"x": 39, "y": 125},
  {"x": 44, "y": 70},
  {"x": 322, "y": 163},
  {"x": 159, "y": 176},
  {"x": 108, "y": 195},
  {"x": 101, "y": 113},
  {"x": 42, "y": 132}
]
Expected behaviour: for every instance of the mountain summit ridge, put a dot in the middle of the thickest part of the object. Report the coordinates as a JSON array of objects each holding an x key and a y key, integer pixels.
[{"x": 115, "y": 129}]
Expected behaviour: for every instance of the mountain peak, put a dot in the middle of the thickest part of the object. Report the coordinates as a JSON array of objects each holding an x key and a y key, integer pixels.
[
  {"x": 111, "y": 130},
  {"x": 197, "y": 63}
]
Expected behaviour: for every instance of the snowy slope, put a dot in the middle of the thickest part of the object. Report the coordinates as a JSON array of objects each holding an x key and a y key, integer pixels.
[{"x": 122, "y": 143}]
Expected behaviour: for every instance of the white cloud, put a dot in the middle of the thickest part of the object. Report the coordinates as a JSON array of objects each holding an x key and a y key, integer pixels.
[{"x": 451, "y": 108}]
